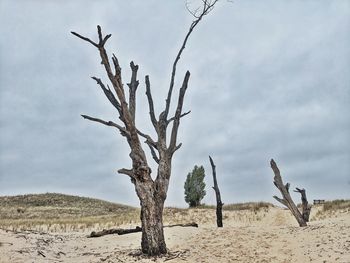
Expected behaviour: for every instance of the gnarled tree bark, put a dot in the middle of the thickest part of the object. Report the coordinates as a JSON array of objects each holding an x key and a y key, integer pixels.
[
  {"x": 286, "y": 198},
  {"x": 306, "y": 208},
  {"x": 219, "y": 204},
  {"x": 151, "y": 192}
]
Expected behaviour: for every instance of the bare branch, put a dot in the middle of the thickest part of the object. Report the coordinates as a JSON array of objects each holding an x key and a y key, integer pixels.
[
  {"x": 102, "y": 41},
  {"x": 153, "y": 153},
  {"x": 117, "y": 67},
  {"x": 109, "y": 94},
  {"x": 116, "y": 78},
  {"x": 132, "y": 89},
  {"x": 128, "y": 172},
  {"x": 85, "y": 39},
  {"x": 150, "y": 102},
  {"x": 287, "y": 186},
  {"x": 148, "y": 138},
  {"x": 207, "y": 7},
  {"x": 182, "y": 115},
  {"x": 151, "y": 144},
  {"x": 194, "y": 12},
  {"x": 178, "y": 147},
  {"x": 176, "y": 122},
  {"x": 122, "y": 130},
  {"x": 282, "y": 201}
]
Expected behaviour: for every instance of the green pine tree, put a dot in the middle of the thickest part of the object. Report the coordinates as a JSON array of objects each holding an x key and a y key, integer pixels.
[{"x": 195, "y": 186}]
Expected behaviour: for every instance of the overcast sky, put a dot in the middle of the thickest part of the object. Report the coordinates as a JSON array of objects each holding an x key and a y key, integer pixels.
[{"x": 269, "y": 79}]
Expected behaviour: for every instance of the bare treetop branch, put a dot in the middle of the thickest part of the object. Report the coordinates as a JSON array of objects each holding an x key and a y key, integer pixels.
[
  {"x": 134, "y": 83},
  {"x": 102, "y": 41},
  {"x": 207, "y": 7},
  {"x": 176, "y": 123},
  {"x": 150, "y": 103},
  {"x": 85, "y": 39}
]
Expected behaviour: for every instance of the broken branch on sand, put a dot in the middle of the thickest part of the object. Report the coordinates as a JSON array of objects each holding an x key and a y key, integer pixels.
[{"x": 121, "y": 231}]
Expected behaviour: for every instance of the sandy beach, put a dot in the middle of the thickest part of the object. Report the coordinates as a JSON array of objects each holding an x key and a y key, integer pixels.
[{"x": 274, "y": 237}]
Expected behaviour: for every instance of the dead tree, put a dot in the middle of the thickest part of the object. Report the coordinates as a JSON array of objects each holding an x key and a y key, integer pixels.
[
  {"x": 219, "y": 204},
  {"x": 306, "y": 208},
  {"x": 151, "y": 192},
  {"x": 286, "y": 200}
]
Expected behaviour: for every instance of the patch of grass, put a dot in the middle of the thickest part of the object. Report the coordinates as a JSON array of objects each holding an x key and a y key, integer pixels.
[
  {"x": 339, "y": 204},
  {"x": 254, "y": 206},
  {"x": 331, "y": 209}
]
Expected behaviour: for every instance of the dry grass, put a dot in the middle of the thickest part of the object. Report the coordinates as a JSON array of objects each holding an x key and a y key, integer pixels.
[
  {"x": 241, "y": 213},
  {"x": 58, "y": 212},
  {"x": 63, "y": 213},
  {"x": 254, "y": 206},
  {"x": 331, "y": 209},
  {"x": 339, "y": 204}
]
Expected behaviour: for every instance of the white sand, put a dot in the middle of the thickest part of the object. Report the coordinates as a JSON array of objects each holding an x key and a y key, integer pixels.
[{"x": 275, "y": 237}]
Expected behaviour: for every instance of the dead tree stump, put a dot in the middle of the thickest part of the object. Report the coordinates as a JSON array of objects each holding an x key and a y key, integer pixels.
[
  {"x": 219, "y": 204},
  {"x": 286, "y": 200},
  {"x": 306, "y": 208}
]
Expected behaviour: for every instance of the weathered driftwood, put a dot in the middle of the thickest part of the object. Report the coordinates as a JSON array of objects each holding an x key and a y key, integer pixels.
[
  {"x": 120, "y": 231},
  {"x": 306, "y": 208},
  {"x": 219, "y": 204},
  {"x": 193, "y": 224},
  {"x": 286, "y": 200}
]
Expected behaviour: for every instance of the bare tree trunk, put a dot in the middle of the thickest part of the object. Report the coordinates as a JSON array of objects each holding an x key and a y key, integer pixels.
[
  {"x": 306, "y": 208},
  {"x": 152, "y": 241},
  {"x": 219, "y": 204},
  {"x": 286, "y": 200}
]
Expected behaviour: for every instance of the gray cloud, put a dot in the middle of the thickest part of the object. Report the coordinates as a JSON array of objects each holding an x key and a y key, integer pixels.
[{"x": 268, "y": 80}]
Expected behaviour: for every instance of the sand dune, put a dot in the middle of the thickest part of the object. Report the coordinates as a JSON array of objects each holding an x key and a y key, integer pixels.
[{"x": 271, "y": 236}]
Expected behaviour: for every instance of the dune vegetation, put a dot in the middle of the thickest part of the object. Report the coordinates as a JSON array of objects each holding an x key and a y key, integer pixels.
[{"x": 53, "y": 212}]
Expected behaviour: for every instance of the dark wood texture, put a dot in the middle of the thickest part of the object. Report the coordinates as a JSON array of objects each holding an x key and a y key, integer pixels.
[
  {"x": 219, "y": 204},
  {"x": 306, "y": 208}
]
